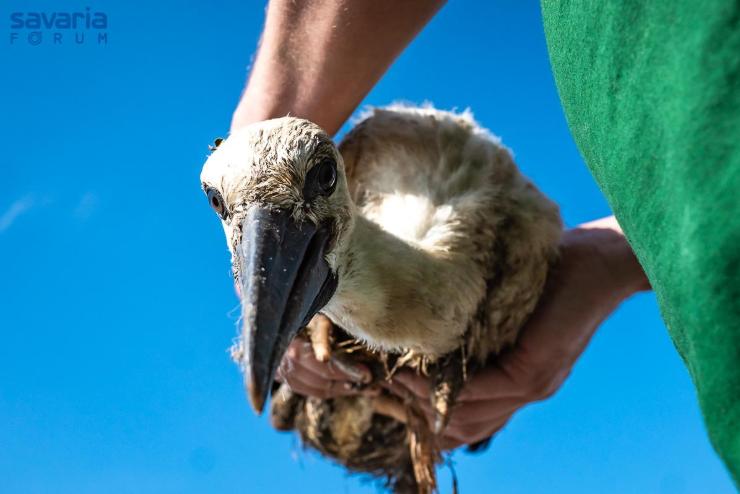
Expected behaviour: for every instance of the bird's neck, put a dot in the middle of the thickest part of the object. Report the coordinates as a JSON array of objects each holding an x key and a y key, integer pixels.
[{"x": 394, "y": 294}]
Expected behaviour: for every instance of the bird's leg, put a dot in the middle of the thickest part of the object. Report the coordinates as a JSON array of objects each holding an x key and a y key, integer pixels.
[
  {"x": 390, "y": 406},
  {"x": 423, "y": 444},
  {"x": 423, "y": 449},
  {"x": 327, "y": 348},
  {"x": 320, "y": 332},
  {"x": 449, "y": 379}
]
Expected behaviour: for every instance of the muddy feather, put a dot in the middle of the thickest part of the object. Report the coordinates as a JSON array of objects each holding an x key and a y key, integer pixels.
[{"x": 376, "y": 435}]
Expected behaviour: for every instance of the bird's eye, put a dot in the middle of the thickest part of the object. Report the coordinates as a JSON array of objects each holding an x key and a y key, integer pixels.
[
  {"x": 217, "y": 202},
  {"x": 321, "y": 179},
  {"x": 216, "y": 143}
]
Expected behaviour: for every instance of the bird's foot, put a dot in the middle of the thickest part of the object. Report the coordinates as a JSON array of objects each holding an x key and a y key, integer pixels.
[
  {"x": 392, "y": 407},
  {"x": 423, "y": 448},
  {"x": 449, "y": 379},
  {"x": 320, "y": 331}
]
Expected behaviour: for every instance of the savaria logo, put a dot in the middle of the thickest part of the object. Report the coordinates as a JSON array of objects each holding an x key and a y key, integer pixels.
[{"x": 59, "y": 22}]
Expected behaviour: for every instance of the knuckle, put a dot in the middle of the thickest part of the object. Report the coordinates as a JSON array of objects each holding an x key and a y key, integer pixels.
[
  {"x": 538, "y": 389},
  {"x": 298, "y": 386},
  {"x": 292, "y": 353},
  {"x": 282, "y": 375},
  {"x": 294, "y": 385},
  {"x": 464, "y": 433},
  {"x": 470, "y": 434},
  {"x": 543, "y": 385}
]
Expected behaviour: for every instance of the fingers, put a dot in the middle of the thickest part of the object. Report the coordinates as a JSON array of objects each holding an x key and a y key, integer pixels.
[
  {"x": 307, "y": 376},
  {"x": 472, "y": 419},
  {"x": 486, "y": 403},
  {"x": 407, "y": 381},
  {"x": 449, "y": 443},
  {"x": 420, "y": 400},
  {"x": 323, "y": 389},
  {"x": 475, "y": 413},
  {"x": 470, "y": 425},
  {"x": 473, "y": 433},
  {"x": 413, "y": 388},
  {"x": 490, "y": 383},
  {"x": 299, "y": 358}
]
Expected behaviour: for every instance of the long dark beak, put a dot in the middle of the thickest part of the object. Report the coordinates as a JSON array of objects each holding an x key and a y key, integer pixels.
[{"x": 284, "y": 280}]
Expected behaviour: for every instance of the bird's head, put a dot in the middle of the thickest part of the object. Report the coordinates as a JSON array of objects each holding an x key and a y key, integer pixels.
[{"x": 280, "y": 191}]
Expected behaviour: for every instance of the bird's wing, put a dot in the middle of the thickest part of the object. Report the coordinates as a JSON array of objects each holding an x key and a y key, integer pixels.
[
  {"x": 440, "y": 181},
  {"x": 428, "y": 176}
]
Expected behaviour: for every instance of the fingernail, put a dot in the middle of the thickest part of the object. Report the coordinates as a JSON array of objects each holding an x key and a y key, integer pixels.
[{"x": 355, "y": 373}]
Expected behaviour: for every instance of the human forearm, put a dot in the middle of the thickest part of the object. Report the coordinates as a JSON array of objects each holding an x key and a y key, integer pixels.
[{"x": 319, "y": 59}]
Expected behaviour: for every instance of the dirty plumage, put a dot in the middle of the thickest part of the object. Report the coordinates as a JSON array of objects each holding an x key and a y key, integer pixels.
[
  {"x": 418, "y": 236},
  {"x": 377, "y": 447},
  {"x": 358, "y": 432},
  {"x": 372, "y": 434}
]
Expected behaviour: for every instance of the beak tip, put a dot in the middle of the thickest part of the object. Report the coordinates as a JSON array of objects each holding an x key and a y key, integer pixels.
[{"x": 256, "y": 397}]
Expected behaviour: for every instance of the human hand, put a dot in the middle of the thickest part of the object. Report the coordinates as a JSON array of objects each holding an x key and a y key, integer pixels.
[
  {"x": 310, "y": 369},
  {"x": 596, "y": 271}
]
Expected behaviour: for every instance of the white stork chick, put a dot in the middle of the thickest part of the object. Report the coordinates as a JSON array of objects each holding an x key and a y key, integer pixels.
[{"x": 418, "y": 235}]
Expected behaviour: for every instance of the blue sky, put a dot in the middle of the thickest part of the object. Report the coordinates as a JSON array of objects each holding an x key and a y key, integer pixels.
[{"x": 116, "y": 306}]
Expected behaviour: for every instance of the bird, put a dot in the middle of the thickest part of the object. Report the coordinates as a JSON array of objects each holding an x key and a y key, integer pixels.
[{"x": 417, "y": 235}]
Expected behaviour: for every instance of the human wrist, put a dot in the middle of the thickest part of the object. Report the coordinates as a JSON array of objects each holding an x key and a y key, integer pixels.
[{"x": 259, "y": 102}]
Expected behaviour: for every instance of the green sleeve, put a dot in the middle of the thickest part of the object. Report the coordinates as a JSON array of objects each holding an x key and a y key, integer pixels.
[{"x": 651, "y": 91}]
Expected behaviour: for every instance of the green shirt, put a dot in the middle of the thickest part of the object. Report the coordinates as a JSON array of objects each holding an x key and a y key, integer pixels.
[{"x": 651, "y": 91}]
